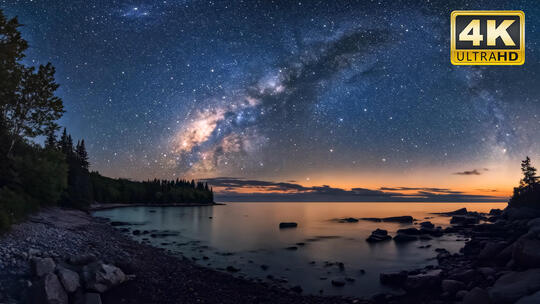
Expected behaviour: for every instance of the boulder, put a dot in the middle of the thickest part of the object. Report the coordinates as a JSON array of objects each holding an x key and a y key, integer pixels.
[
  {"x": 452, "y": 286},
  {"x": 515, "y": 285},
  {"x": 288, "y": 225},
  {"x": 88, "y": 298},
  {"x": 427, "y": 224},
  {"x": 423, "y": 281},
  {"x": 461, "y": 211},
  {"x": 101, "y": 277},
  {"x": 42, "y": 266},
  {"x": 82, "y": 259},
  {"x": 476, "y": 296},
  {"x": 402, "y": 238},
  {"x": 532, "y": 299},
  {"x": 512, "y": 213},
  {"x": 393, "y": 278},
  {"x": 495, "y": 212},
  {"x": 526, "y": 252},
  {"x": 69, "y": 279},
  {"x": 378, "y": 235},
  {"x": 464, "y": 220},
  {"x": 50, "y": 291},
  {"x": 491, "y": 250}
]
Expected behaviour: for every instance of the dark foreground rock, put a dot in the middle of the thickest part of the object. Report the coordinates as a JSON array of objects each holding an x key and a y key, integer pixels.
[{"x": 156, "y": 276}]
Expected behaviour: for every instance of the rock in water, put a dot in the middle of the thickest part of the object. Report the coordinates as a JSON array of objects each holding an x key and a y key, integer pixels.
[
  {"x": 338, "y": 283},
  {"x": 378, "y": 235},
  {"x": 101, "y": 277},
  {"x": 427, "y": 224},
  {"x": 464, "y": 219},
  {"x": 69, "y": 279},
  {"x": 423, "y": 281},
  {"x": 399, "y": 219},
  {"x": 288, "y": 225},
  {"x": 43, "y": 266},
  {"x": 515, "y": 285}
]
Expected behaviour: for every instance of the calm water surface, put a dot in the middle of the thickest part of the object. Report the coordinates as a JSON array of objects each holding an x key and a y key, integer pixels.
[{"x": 246, "y": 236}]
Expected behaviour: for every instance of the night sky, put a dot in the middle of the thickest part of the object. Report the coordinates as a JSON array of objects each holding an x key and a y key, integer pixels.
[{"x": 340, "y": 93}]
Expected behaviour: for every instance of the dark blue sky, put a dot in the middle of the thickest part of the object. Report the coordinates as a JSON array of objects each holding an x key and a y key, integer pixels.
[{"x": 342, "y": 92}]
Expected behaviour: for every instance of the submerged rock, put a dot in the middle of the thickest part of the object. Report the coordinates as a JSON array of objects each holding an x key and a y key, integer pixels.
[
  {"x": 288, "y": 225},
  {"x": 393, "y": 278},
  {"x": 402, "y": 238}
]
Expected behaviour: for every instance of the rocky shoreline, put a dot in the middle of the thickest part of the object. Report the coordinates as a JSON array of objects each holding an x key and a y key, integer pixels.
[
  {"x": 500, "y": 263},
  {"x": 155, "y": 276}
]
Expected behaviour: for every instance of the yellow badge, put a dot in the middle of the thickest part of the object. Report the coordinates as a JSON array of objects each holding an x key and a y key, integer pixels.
[{"x": 487, "y": 37}]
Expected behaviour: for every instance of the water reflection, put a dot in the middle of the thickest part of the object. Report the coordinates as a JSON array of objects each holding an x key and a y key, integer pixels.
[{"x": 247, "y": 237}]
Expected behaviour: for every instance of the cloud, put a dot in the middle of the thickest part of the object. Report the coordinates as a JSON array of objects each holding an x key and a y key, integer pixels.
[
  {"x": 472, "y": 172},
  {"x": 238, "y": 189}
]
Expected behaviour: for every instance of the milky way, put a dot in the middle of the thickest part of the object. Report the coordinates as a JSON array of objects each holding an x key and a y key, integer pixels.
[{"x": 284, "y": 89}]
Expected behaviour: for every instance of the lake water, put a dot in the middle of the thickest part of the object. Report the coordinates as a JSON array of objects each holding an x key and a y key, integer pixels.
[{"x": 246, "y": 236}]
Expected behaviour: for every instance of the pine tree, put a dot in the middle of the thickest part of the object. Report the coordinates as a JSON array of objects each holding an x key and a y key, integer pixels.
[
  {"x": 529, "y": 173},
  {"x": 82, "y": 155},
  {"x": 50, "y": 141},
  {"x": 64, "y": 143}
]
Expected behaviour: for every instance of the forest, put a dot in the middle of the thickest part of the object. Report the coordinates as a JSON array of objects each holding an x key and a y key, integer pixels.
[{"x": 56, "y": 173}]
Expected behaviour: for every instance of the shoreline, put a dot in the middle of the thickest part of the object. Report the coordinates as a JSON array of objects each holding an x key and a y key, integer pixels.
[
  {"x": 158, "y": 275},
  {"x": 499, "y": 264},
  {"x": 101, "y": 206}
]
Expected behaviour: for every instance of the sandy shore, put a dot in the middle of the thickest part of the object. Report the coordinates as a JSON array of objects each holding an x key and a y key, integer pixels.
[{"x": 159, "y": 276}]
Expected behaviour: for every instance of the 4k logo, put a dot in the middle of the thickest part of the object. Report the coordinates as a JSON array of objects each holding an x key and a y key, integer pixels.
[{"x": 487, "y": 37}]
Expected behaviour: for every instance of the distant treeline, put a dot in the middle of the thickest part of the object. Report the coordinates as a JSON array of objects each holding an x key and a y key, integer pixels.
[
  {"x": 109, "y": 190},
  {"x": 55, "y": 173}
]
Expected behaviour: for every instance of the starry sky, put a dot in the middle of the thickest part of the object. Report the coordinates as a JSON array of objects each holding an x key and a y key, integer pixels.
[{"x": 289, "y": 96}]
